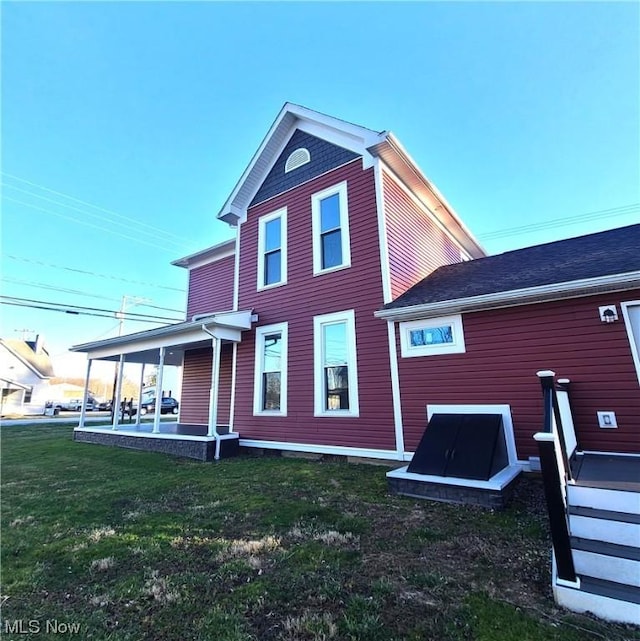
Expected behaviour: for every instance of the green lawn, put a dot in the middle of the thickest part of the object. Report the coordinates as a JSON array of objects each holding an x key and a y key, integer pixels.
[{"x": 133, "y": 546}]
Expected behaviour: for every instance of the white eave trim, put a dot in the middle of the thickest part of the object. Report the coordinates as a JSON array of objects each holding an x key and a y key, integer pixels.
[
  {"x": 225, "y": 325},
  {"x": 529, "y": 295},
  {"x": 15, "y": 384},
  {"x": 398, "y": 161},
  {"x": 206, "y": 256}
]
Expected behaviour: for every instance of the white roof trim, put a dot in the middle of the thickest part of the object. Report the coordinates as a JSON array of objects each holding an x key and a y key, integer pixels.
[
  {"x": 26, "y": 363},
  {"x": 401, "y": 164},
  {"x": 224, "y": 325},
  {"x": 525, "y": 296},
  {"x": 208, "y": 255},
  {"x": 290, "y": 118},
  {"x": 15, "y": 384}
]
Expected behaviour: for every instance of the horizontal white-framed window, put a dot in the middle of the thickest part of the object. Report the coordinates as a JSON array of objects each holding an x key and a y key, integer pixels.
[
  {"x": 330, "y": 223},
  {"x": 272, "y": 249},
  {"x": 335, "y": 365},
  {"x": 270, "y": 374},
  {"x": 432, "y": 336}
]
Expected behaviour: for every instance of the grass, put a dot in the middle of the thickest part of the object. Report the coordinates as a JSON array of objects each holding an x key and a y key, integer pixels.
[{"x": 136, "y": 546}]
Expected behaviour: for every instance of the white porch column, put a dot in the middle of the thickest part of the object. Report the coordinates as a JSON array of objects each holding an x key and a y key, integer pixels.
[
  {"x": 156, "y": 418},
  {"x": 140, "y": 396},
  {"x": 83, "y": 409},
  {"x": 116, "y": 405},
  {"x": 215, "y": 384}
]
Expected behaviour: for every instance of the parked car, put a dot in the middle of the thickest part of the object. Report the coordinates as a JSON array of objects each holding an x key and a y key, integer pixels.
[
  {"x": 75, "y": 404},
  {"x": 105, "y": 406},
  {"x": 148, "y": 406}
]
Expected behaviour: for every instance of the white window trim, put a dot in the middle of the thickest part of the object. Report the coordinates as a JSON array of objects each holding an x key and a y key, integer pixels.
[
  {"x": 352, "y": 364},
  {"x": 261, "y": 332},
  {"x": 457, "y": 347},
  {"x": 341, "y": 190},
  {"x": 632, "y": 342},
  {"x": 262, "y": 223}
]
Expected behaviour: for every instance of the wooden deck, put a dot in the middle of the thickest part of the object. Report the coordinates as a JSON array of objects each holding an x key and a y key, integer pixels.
[{"x": 607, "y": 471}]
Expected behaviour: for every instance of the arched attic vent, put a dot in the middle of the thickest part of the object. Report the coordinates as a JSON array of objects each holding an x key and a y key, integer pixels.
[{"x": 296, "y": 159}]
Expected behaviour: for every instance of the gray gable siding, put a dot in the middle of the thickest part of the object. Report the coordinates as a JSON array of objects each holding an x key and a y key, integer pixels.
[{"x": 324, "y": 157}]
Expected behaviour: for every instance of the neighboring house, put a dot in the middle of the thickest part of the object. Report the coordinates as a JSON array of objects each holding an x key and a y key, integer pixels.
[
  {"x": 25, "y": 372},
  {"x": 314, "y": 329}
]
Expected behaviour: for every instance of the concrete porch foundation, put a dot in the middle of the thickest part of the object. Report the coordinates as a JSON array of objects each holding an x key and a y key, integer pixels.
[{"x": 189, "y": 441}]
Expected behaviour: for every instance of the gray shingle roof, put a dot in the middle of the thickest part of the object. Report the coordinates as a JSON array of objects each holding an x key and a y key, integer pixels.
[{"x": 606, "y": 253}]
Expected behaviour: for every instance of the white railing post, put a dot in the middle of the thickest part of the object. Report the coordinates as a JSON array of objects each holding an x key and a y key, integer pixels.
[
  {"x": 83, "y": 409},
  {"x": 156, "y": 418},
  {"x": 140, "y": 396},
  {"x": 215, "y": 383},
  {"x": 116, "y": 403}
]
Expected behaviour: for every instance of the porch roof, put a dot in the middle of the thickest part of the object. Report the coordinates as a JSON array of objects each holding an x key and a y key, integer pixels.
[{"x": 143, "y": 347}]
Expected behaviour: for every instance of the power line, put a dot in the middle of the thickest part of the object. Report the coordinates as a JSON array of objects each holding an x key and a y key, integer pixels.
[
  {"x": 75, "y": 313},
  {"x": 81, "y": 293},
  {"x": 91, "y": 273},
  {"x": 88, "y": 224},
  {"x": 84, "y": 202},
  {"x": 86, "y": 213},
  {"x": 74, "y": 309},
  {"x": 624, "y": 210},
  {"x": 55, "y": 289}
]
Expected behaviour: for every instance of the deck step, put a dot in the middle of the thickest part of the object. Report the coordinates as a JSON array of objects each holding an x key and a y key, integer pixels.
[
  {"x": 610, "y": 589},
  {"x": 598, "y": 498},
  {"x": 598, "y": 560},
  {"x": 603, "y": 525},
  {"x": 590, "y": 600},
  {"x": 606, "y": 549},
  {"x": 606, "y": 515}
]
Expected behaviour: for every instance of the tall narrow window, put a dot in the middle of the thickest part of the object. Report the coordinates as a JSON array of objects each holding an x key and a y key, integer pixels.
[
  {"x": 336, "y": 381},
  {"x": 270, "y": 383},
  {"x": 331, "y": 244},
  {"x": 272, "y": 249}
]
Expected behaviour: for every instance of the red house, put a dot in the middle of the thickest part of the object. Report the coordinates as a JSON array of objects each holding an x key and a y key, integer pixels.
[
  {"x": 353, "y": 300},
  {"x": 353, "y": 308}
]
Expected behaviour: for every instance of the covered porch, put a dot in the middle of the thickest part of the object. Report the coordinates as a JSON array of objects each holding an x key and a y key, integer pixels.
[{"x": 209, "y": 436}]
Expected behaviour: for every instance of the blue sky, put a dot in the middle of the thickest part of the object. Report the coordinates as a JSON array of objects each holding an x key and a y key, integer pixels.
[{"x": 521, "y": 113}]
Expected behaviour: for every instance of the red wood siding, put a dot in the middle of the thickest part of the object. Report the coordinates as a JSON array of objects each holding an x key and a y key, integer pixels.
[
  {"x": 416, "y": 244},
  {"x": 505, "y": 349},
  {"x": 196, "y": 383},
  {"x": 304, "y": 296},
  {"x": 211, "y": 287}
]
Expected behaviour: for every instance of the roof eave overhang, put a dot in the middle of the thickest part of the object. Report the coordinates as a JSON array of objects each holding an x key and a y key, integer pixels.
[
  {"x": 16, "y": 384},
  {"x": 525, "y": 296},
  {"x": 291, "y": 117},
  {"x": 208, "y": 255},
  {"x": 397, "y": 159},
  {"x": 226, "y": 326},
  {"x": 31, "y": 366}
]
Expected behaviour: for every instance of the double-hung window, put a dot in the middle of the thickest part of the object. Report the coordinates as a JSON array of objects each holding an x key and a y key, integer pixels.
[
  {"x": 270, "y": 382},
  {"x": 272, "y": 249},
  {"x": 335, "y": 364},
  {"x": 330, "y": 222}
]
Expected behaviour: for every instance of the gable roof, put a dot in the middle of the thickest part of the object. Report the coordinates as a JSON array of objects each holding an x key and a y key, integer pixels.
[
  {"x": 605, "y": 261},
  {"x": 367, "y": 143},
  {"x": 40, "y": 362}
]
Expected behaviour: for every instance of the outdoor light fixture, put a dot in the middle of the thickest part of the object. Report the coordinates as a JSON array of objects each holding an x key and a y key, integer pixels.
[{"x": 608, "y": 313}]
